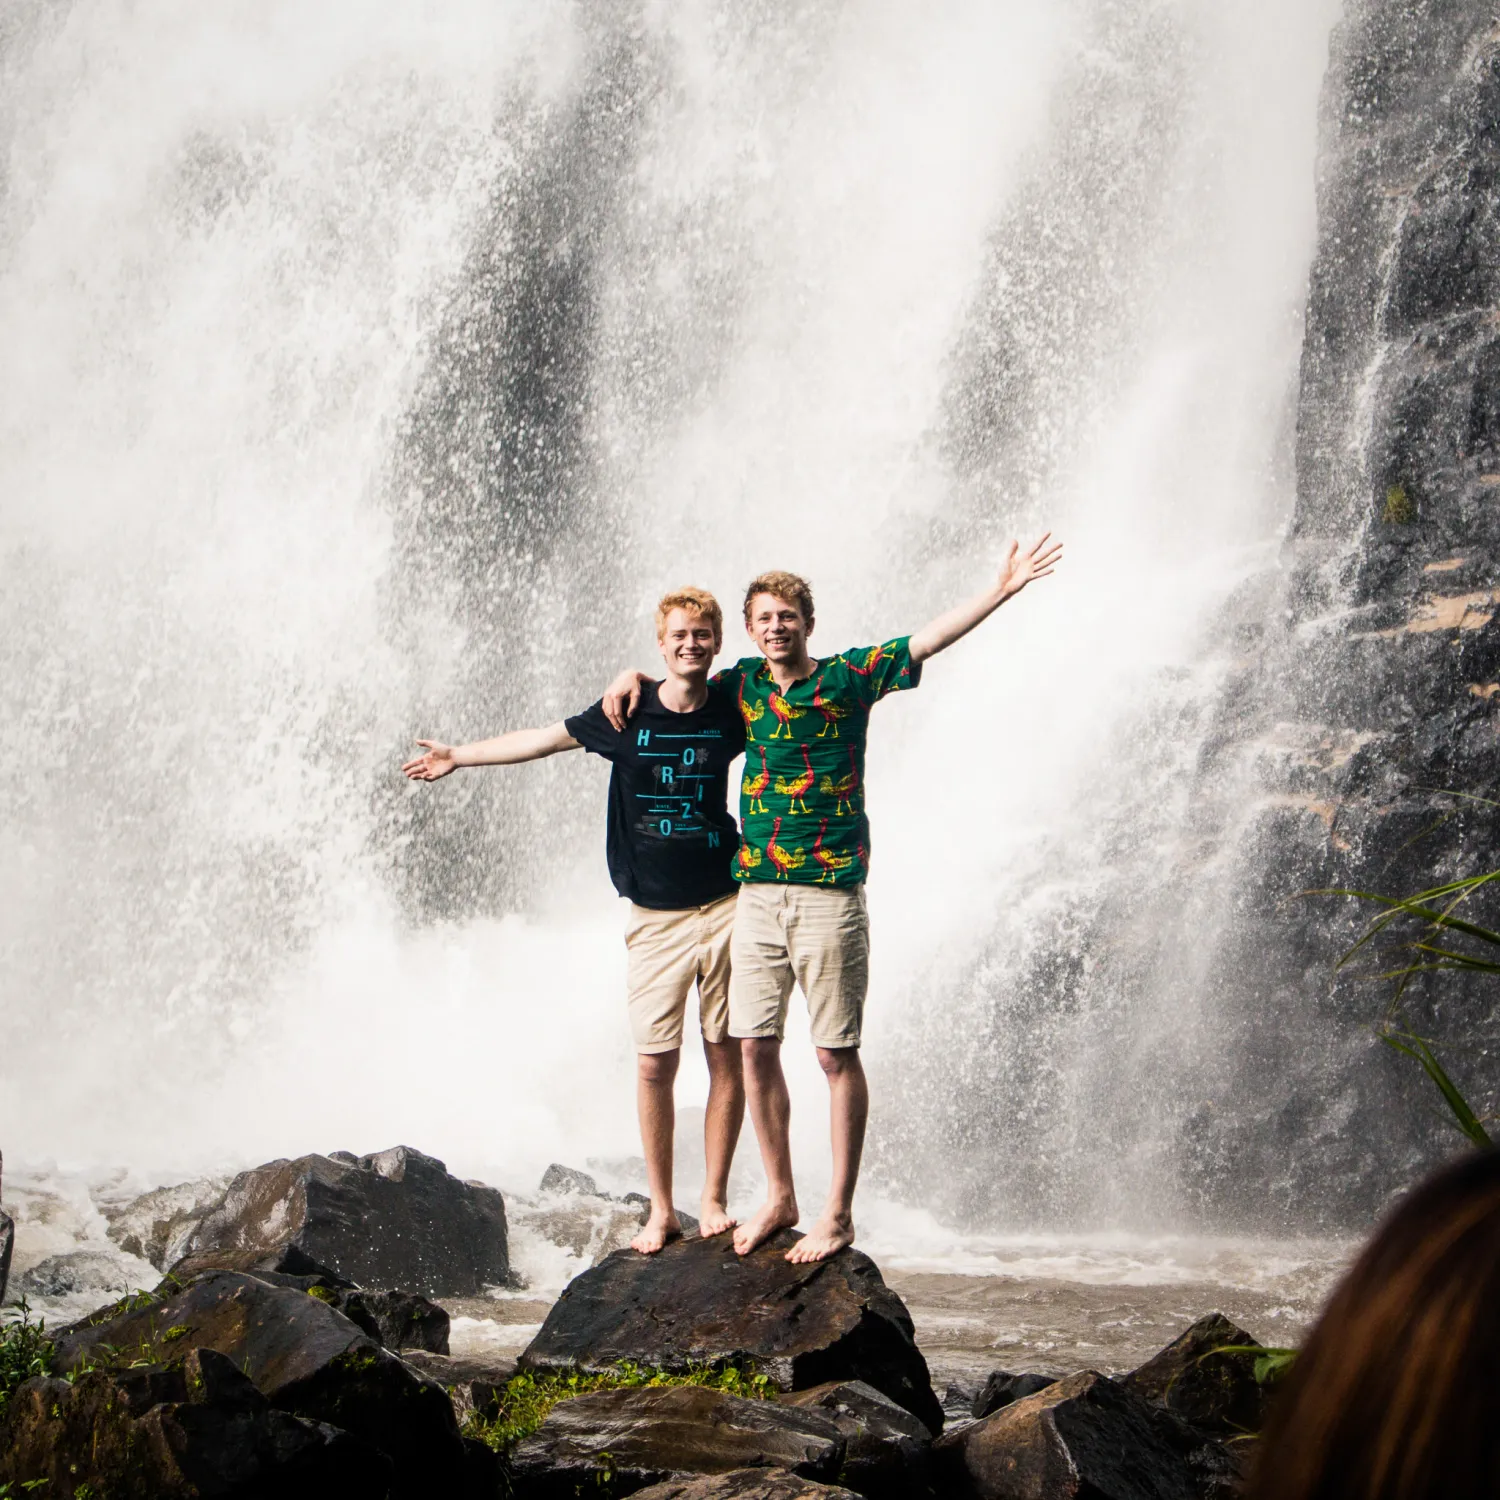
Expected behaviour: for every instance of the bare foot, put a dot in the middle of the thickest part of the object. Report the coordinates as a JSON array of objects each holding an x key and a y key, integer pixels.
[
  {"x": 656, "y": 1231},
  {"x": 827, "y": 1237},
  {"x": 763, "y": 1223},
  {"x": 713, "y": 1218}
]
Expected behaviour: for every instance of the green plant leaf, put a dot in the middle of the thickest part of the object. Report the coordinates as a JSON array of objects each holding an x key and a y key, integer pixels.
[{"x": 1420, "y": 1049}]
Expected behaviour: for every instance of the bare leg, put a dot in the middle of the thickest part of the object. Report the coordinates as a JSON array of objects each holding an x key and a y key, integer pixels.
[
  {"x": 848, "y": 1108},
  {"x": 656, "y": 1072},
  {"x": 771, "y": 1112},
  {"x": 721, "y": 1131}
]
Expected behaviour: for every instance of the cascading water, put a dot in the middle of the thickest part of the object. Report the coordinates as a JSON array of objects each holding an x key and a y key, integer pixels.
[{"x": 370, "y": 374}]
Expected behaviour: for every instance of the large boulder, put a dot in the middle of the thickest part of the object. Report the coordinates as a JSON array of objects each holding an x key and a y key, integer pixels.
[
  {"x": 1213, "y": 1390},
  {"x": 193, "y": 1427},
  {"x": 621, "y": 1441},
  {"x": 394, "y": 1219},
  {"x": 303, "y": 1356},
  {"x": 1083, "y": 1438},
  {"x": 887, "y": 1451},
  {"x": 746, "y": 1484},
  {"x": 697, "y": 1302}
]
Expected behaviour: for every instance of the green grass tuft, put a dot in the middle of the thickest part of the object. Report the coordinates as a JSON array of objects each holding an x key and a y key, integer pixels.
[
  {"x": 527, "y": 1398},
  {"x": 25, "y": 1351}
]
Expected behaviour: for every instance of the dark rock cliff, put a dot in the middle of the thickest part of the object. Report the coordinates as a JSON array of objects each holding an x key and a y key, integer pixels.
[{"x": 1373, "y": 695}]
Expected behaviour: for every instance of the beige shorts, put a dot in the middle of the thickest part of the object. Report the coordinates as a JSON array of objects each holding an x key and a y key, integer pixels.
[
  {"x": 668, "y": 952},
  {"x": 815, "y": 935}
]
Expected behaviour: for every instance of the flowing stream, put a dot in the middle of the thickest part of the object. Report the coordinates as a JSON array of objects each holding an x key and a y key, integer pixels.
[{"x": 370, "y": 369}]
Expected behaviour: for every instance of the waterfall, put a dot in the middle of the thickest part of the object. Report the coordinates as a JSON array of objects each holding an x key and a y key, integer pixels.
[{"x": 370, "y": 374}]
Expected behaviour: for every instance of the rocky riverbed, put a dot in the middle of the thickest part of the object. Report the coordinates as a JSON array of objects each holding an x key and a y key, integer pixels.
[{"x": 360, "y": 1320}]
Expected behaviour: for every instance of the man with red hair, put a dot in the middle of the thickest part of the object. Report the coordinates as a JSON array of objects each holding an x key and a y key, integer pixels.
[{"x": 671, "y": 844}]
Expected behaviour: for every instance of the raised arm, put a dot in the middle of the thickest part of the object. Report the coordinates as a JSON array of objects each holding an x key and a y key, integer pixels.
[
  {"x": 505, "y": 750},
  {"x": 1019, "y": 569}
]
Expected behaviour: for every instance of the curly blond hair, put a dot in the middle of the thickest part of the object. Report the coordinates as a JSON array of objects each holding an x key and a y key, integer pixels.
[
  {"x": 789, "y": 586},
  {"x": 699, "y": 601}
]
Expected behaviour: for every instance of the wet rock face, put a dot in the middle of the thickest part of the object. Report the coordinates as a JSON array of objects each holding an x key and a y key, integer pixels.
[
  {"x": 393, "y": 1219},
  {"x": 624, "y": 1440},
  {"x": 1003, "y": 1387},
  {"x": 1372, "y": 683},
  {"x": 886, "y": 1449},
  {"x": 7, "y": 1246},
  {"x": 1085, "y": 1437},
  {"x": 1217, "y": 1392},
  {"x": 194, "y": 1427},
  {"x": 697, "y": 1302},
  {"x": 302, "y": 1356}
]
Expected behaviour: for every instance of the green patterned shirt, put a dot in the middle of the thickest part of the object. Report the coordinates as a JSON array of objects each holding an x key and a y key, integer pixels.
[{"x": 802, "y": 799}]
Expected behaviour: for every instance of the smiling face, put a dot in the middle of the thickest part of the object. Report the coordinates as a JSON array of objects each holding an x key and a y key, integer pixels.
[
  {"x": 689, "y": 643},
  {"x": 778, "y": 628}
]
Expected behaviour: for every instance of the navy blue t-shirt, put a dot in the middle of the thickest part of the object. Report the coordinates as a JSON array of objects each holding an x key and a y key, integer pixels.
[{"x": 671, "y": 840}]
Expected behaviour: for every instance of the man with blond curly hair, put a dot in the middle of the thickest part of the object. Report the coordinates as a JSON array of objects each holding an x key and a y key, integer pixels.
[
  {"x": 804, "y": 855},
  {"x": 671, "y": 844}
]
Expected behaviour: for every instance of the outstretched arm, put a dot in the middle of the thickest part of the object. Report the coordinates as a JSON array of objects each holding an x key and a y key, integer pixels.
[
  {"x": 1019, "y": 569},
  {"x": 505, "y": 750}
]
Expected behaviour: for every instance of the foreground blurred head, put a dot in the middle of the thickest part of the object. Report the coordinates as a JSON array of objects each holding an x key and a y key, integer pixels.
[{"x": 1394, "y": 1395}]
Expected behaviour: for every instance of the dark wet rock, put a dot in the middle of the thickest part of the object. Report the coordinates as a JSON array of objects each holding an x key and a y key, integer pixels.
[
  {"x": 1083, "y": 1438},
  {"x": 304, "y": 1357},
  {"x": 957, "y": 1401},
  {"x": 697, "y": 1302},
  {"x": 746, "y": 1484},
  {"x": 560, "y": 1179},
  {"x": 195, "y": 1427},
  {"x": 397, "y": 1321},
  {"x": 1002, "y": 1387},
  {"x": 1215, "y": 1392},
  {"x": 473, "y": 1385},
  {"x": 158, "y": 1225},
  {"x": 624, "y": 1440},
  {"x": 394, "y": 1219},
  {"x": 7, "y": 1246},
  {"x": 401, "y": 1320},
  {"x": 886, "y": 1449}
]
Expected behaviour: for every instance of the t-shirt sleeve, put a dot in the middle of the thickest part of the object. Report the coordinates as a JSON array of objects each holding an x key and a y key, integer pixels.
[
  {"x": 728, "y": 679},
  {"x": 878, "y": 670},
  {"x": 594, "y": 732}
]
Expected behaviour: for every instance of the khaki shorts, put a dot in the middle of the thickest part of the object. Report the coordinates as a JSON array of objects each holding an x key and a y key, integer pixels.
[
  {"x": 668, "y": 951},
  {"x": 817, "y": 936}
]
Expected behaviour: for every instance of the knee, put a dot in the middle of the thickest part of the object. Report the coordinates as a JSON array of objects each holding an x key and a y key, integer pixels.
[
  {"x": 657, "y": 1067},
  {"x": 840, "y": 1062},
  {"x": 761, "y": 1055},
  {"x": 724, "y": 1064}
]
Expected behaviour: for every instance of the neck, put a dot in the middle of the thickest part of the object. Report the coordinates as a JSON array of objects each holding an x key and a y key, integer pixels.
[
  {"x": 785, "y": 673},
  {"x": 682, "y": 695}
]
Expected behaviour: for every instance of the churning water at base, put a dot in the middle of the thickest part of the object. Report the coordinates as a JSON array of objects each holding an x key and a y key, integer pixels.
[{"x": 369, "y": 373}]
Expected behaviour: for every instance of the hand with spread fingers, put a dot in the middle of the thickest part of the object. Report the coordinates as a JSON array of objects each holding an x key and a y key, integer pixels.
[
  {"x": 438, "y": 761},
  {"x": 1021, "y": 567}
]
